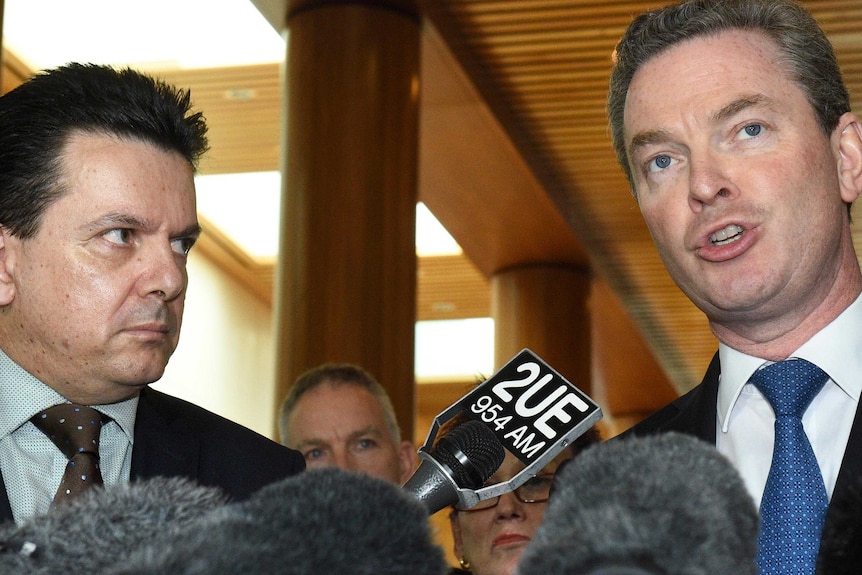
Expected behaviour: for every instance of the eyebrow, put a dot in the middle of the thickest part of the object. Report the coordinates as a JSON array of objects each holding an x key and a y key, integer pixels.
[
  {"x": 308, "y": 443},
  {"x": 124, "y": 219},
  {"x": 647, "y": 138},
  {"x": 193, "y": 231},
  {"x": 739, "y": 105},
  {"x": 119, "y": 218},
  {"x": 369, "y": 430}
]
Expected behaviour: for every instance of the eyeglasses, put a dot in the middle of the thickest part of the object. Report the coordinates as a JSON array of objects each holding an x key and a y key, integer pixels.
[{"x": 535, "y": 490}]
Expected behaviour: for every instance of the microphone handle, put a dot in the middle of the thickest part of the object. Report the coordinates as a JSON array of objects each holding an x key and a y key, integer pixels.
[{"x": 432, "y": 484}]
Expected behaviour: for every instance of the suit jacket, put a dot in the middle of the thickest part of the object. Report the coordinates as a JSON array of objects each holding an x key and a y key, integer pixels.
[
  {"x": 175, "y": 438},
  {"x": 695, "y": 413}
]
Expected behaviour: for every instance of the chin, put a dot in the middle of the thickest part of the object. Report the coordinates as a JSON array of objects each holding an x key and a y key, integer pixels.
[
  {"x": 502, "y": 566},
  {"x": 139, "y": 373}
]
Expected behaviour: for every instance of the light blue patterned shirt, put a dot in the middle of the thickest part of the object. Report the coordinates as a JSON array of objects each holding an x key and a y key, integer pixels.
[{"x": 32, "y": 465}]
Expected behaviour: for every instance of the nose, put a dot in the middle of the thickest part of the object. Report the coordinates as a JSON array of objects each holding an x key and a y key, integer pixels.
[
  {"x": 340, "y": 458},
  {"x": 164, "y": 274},
  {"x": 509, "y": 506},
  {"x": 709, "y": 183}
]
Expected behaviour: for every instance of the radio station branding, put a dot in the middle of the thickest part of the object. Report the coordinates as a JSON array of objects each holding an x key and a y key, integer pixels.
[{"x": 528, "y": 405}]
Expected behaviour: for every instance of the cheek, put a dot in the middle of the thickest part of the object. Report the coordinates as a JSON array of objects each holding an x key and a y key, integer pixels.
[
  {"x": 177, "y": 307},
  {"x": 473, "y": 531},
  {"x": 660, "y": 222},
  {"x": 534, "y": 519}
]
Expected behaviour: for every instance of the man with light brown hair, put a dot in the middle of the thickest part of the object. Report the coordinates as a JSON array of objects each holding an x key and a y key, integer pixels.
[{"x": 338, "y": 415}]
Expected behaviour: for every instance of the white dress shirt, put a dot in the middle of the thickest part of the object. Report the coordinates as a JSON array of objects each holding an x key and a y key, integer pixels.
[{"x": 746, "y": 421}]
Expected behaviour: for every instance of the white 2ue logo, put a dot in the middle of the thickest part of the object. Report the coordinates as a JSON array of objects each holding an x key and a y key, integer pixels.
[{"x": 554, "y": 405}]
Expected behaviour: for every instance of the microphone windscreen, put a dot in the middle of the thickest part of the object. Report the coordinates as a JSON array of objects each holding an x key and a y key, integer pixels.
[
  {"x": 665, "y": 504},
  {"x": 91, "y": 533},
  {"x": 472, "y": 452},
  {"x": 321, "y": 521}
]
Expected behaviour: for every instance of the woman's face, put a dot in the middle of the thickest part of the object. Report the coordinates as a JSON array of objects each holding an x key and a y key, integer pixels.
[{"x": 492, "y": 540}]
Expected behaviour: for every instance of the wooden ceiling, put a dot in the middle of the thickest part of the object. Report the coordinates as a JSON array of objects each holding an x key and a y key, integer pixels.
[
  {"x": 513, "y": 134},
  {"x": 514, "y": 123}
]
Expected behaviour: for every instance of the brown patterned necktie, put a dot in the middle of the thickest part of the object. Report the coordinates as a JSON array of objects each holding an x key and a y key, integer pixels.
[{"x": 74, "y": 429}]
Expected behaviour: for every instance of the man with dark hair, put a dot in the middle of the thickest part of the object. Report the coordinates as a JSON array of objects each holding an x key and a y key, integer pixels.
[
  {"x": 97, "y": 216},
  {"x": 733, "y": 124},
  {"x": 338, "y": 415}
]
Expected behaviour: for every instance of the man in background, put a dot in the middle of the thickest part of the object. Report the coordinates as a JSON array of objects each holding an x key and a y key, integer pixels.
[{"x": 338, "y": 415}]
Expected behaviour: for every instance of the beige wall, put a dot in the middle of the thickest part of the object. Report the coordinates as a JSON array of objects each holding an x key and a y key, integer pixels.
[{"x": 225, "y": 358}]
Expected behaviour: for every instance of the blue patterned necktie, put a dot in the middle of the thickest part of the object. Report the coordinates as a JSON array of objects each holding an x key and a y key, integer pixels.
[{"x": 794, "y": 502}]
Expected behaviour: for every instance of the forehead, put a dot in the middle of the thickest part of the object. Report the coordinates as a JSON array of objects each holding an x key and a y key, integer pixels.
[
  {"x": 343, "y": 407},
  {"x": 106, "y": 169},
  {"x": 704, "y": 74}
]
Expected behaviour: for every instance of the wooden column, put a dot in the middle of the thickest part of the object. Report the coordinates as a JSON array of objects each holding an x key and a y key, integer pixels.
[
  {"x": 346, "y": 279},
  {"x": 544, "y": 307},
  {"x": 628, "y": 382}
]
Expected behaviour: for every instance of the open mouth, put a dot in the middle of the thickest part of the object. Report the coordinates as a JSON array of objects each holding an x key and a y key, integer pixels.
[{"x": 726, "y": 236}]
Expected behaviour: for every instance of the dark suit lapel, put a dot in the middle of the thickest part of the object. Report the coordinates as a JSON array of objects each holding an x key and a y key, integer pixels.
[
  {"x": 699, "y": 414},
  {"x": 850, "y": 473},
  {"x": 694, "y": 413},
  {"x": 158, "y": 450},
  {"x": 5, "y": 508}
]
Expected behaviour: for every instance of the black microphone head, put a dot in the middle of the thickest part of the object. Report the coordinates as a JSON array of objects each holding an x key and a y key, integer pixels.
[
  {"x": 472, "y": 453},
  {"x": 667, "y": 504},
  {"x": 91, "y": 533},
  {"x": 321, "y": 521}
]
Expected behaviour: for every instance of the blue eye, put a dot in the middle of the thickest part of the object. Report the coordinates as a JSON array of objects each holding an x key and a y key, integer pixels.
[
  {"x": 364, "y": 444},
  {"x": 752, "y": 130},
  {"x": 660, "y": 163},
  {"x": 315, "y": 453}
]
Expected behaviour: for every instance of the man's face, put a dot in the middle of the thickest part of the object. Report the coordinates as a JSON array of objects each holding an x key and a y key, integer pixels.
[
  {"x": 736, "y": 181},
  {"x": 343, "y": 425},
  {"x": 92, "y": 304}
]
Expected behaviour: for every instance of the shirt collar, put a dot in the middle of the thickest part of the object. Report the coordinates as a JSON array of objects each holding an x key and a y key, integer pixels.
[
  {"x": 22, "y": 396},
  {"x": 836, "y": 349}
]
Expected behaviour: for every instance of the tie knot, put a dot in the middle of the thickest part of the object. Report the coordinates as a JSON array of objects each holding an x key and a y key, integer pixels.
[
  {"x": 790, "y": 385},
  {"x": 72, "y": 428}
]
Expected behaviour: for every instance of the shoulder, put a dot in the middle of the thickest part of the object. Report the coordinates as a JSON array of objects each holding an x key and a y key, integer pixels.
[
  {"x": 693, "y": 413},
  {"x": 180, "y": 416},
  {"x": 165, "y": 424}
]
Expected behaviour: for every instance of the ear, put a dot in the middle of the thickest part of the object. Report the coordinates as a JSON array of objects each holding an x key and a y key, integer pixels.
[
  {"x": 458, "y": 545},
  {"x": 7, "y": 266},
  {"x": 849, "y": 145},
  {"x": 407, "y": 460}
]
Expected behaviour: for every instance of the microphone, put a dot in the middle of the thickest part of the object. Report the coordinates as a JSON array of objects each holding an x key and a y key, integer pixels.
[
  {"x": 667, "y": 504},
  {"x": 90, "y": 533},
  {"x": 462, "y": 459},
  {"x": 326, "y": 520},
  {"x": 526, "y": 407}
]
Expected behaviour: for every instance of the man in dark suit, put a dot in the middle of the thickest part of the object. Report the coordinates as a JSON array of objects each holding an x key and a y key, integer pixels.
[
  {"x": 733, "y": 125},
  {"x": 97, "y": 215}
]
